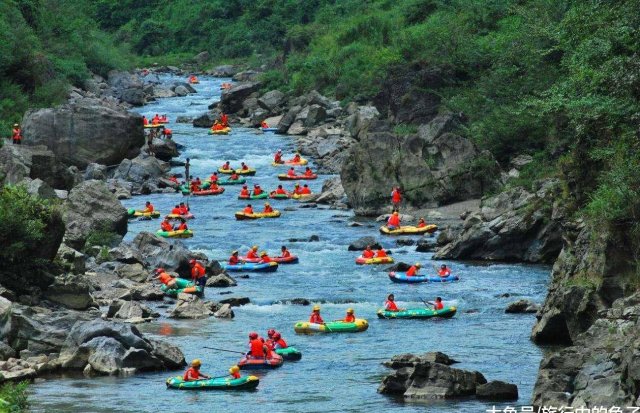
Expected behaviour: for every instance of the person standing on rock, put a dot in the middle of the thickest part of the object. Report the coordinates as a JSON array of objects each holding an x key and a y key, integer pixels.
[
  {"x": 198, "y": 273},
  {"x": 186, "y": 169},
  {"x": 150, "y": 136},
  {"x": 16, "y": 135},
  {"x": 396, "y": 198}
]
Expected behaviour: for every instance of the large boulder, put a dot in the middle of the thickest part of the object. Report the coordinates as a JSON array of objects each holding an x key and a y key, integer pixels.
[
  {"x": 130, "y": 311},
  {"x": 84, "y": 132},
  {"x": 361, "y": 243},
  {"x": 522, "y": 306},
  {"x": 497, "y": 391},
  {"x": 92, "y": 208},
  {"x": 231, "y": 99},
  {"x": 71, "y": 291},
  {"x": 221, "y": 281},
  {"x": 142, "y": 171},
  {"x": 165, "y": 149},
  {"x": 127, "y": 87},
  {"x": 18, "y": 163},
  {"x": 271, "y": 100},
  {"x": 433, "y": 167},
  {"x": 191, "y": 307},
  {"x": 429, "y": 378},
  {"x": 332, "y": 191},
  {"x": 158, "y": 252},
  {"x": 204, "y": 121},
  {"x": 515, "y": 225}
]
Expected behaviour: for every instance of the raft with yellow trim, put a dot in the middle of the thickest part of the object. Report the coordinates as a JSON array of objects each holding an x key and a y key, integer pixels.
[
  {"x": 248, "y": 172},
  {"x": 185, "y": 233},
  {"x": 285, "y": 177},
  {"x": 240, "y": 216},
  {"x": 301, "y": 162},
  {"x": 304, "y": 327},
  {"x": 140, "y": 214},
  {"x": 409, "y": 230},
  {"x": 223, "y": 131},
  {"x": 300, "y": 196},
  {"x": 374, "y": 260},
  {"x": 214, "y": 383}
]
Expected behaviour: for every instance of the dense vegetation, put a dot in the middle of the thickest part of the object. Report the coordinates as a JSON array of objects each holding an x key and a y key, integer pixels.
[
  {"x": 558, "y": 79},
  {"x": 13, "y": 398}
]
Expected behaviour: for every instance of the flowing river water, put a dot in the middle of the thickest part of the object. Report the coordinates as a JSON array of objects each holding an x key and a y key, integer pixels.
[{"x": 338, "y": 372}]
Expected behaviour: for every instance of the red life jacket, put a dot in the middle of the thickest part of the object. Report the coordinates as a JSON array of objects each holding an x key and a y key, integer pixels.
[
  {"x": 390, "y": 305},
  {"x": 256, "y": 348}
]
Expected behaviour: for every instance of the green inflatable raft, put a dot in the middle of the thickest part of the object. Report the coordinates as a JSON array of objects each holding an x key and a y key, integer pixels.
[
  {"x": 304, "y": 327},
  {"x": 289, "y": 353},
  {"x": 181, "y": 286},
  {"x": 214, "y": 383},
  {"x": 446, "y": 312}
]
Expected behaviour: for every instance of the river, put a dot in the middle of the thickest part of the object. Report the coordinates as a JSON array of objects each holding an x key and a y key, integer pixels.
[{"x": 338, "y": 373}]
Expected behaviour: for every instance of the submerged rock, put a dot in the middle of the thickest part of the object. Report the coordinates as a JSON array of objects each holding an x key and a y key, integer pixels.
[
  {"x": 522, "y": 306},
  {"x": 361, "y": 244}
]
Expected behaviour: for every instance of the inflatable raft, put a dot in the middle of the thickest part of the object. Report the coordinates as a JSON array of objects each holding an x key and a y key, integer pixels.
[
  {"x": 253, "y": 267},
  {"x": 241, "y": 216},
  {"x": 373, "y": 261},
  {"x": 289, "y": 353},
  {"x": 214, "y": 383},
  {"x": 181, "y": 286},
  {"x": 248, "y": 172},
  {"x": 409, "y": 230},
  {"x": 259, "y": 364},
  {"x": 285, "y": 177},
  {"x": 279, "y": 196},
  {"x": 269, "y": 129},
  {"x": 150, "y": 126},
  {"x": 205, "y": 192},
  {"x": 232, "y": 181},
  {"x": 446, "y": 312},
  {"x": 185, "y": 233},
  {"x": 300, "y": 196},
  {"x": 302, "y": 162},
  {"x": 280, "y": 260},
  {"x": 223, "y": 131},
  {"x": 263, "y": 195},
  {"x": 304, "y": 327},
  {"x": 188, "y": 215},
  {"x": 139, "y": 214},
  {"x": 402, "y": 278}
]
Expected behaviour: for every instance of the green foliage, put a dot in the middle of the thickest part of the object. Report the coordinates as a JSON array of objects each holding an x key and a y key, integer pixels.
[
  {"x": 403, "y": 129},
  {"x": 24, "y": 219},
  {"x": 13, "y": 398},
  {"x": 102, "y": 237}
]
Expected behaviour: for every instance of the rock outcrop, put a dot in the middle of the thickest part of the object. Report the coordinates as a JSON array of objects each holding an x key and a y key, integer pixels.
[
  {"x": 91, "y": 208},
  {"x": 232, "y": 99},
  {"x": 434, "y": 166},
  {"x": 515, "y": 225},
  {"x": 143, "y": 173}
]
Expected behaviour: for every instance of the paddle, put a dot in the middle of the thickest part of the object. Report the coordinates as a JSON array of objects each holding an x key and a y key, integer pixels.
[
  {"x": 427, "y": 303},
  {"x": 228, "y": 351}
]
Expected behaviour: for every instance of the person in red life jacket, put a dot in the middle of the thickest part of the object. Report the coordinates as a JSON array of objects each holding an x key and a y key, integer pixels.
[
  {"x": 296, "y": 158},
  {"x": 182, "y": 226},
  {"x": 413, "y": 270},
  {"x": 284, "y": 252},
  {"x": 145, "y": 121},
  {"x": 184, "y": 210},
  {"x": 198, "y": 273},
  {"x": 234, "y": 372},
  {"x": 256, "y": 347},
  {"x": 217, "y": 126},
  {"x": 264, "y": 125},
  {"x": 270, "y": 333},
  {"x": 253, "y": 253},
  {"x": 396, "y": 197},
  {"x": 315, "y": 316},
  {"x": 166, "y": 225},
  {"x": 438, "y": 305},
  {"x": 244, "y": 192},
  {"x": 267, "y": 208},
  {"x": 248, "y": 209},
  {"x": 165, "y": 119},
  {"x": 167, "y": 133},
  {"x": 234, "y": 176},
  {"x": 277, "y": 158},
  {"x": 444, "y": 271},
  {"x": 390, "y": 304},
  {"x": 164, "y": 277},
  {"x": 233, "y": 259},
  {"x": 264, "y": 258},
  {"x": 226, "y": 166},
  {"x": 174, "y": 179},
  {"x": 306, "y": 190},
  {"x": 257, "y": 190},
  {"x": 394, "y": 220},
  {"x": 155, "y": 120},
  {"x": 297, "y": 189},
  {"x": 176, "y": 210},
  {"x": 224, "y": 120},
  {"x": 308, "y": 172},
  {"x": 244, "y": 166},
  {"x": 194, "y": 186},
  {"x": 214, "y": 186},
  {"x": 421, "y": 223},
  {"x": 368, "y": 252},
  {"x": 145, "y": 72},
  {"x": 268, "y": 347},
  {"x": 381, "y": 253},
  {"x": 148, "y": 207},
  {"x": 291, "y": 172},
  {"x": 193, "y": 79},
  {"x": 193, "y": 373},
  {"x": 350, "y": 317},
  {"x": 280, "y": 191},
  {"x": 279, "y": 341},
  {"x": 16, "y": 134}
]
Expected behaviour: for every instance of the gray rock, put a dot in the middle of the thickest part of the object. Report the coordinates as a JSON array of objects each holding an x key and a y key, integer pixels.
[
  {"x": 184, "y": 119},
  {"x": 204, "y": 121},
  {"x": 169, "y": 354},
  {"x": 246, "y": 76},
  {"x": 521, "y": 160},
  {"x": 497, "y": 390},
  {"x": 126, "y": 310},
  {"x": 133, "y": 272},
  {"x": 181, "y": 91},
  {"x": 221, "y": 281},
  {"x": 399, "y": 267},
  {"x": 202, "y": 57},
  {"x": 287, "y": 120},
  {"x": 405, "y": 242},
  {"x": 224, "y": 71},
  {"x": 6, "y": 351},
  {"x": 522, "y": 306},
  {"x": 72, "y": 260},
  {"x": 39, "y": 188},
  {"x": 143, "y": 169},
  {"x": 84, "y": 132},
  {"x": 158, "y": 252},
  {"x": 424, "y": 245},
  {"x": 224, "y": 312},
  {"x": 92, "y": 207},
  {"x": 271, "y": 100},
  {"x": 95, "y": 171},
  {"x": 236, "y": 301},
  {"x": 191, "y": 307},
  {"x": 165, "y": 149},
  {"x": 231, "y": 99},
  {"x": 71, "y": 291},
  {"x": 361, "y": 244}
]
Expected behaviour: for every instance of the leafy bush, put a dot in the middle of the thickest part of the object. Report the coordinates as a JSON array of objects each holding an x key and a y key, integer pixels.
[{"x": 13, "y": 398}]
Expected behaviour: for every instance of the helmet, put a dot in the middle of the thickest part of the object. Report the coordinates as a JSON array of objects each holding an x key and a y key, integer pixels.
[
  {"x": 277, "y": 336},
  {"x": 234, "y": 369},
  {"x": 192, "y": 262},
  {"x": 443, "y": 266},
  {"x": 263, "y": 253},
  {"x": 15, "y": 125},
  {"x": 234, "y": 252},
  {"x": 297, "y": 184},
  {"x": 255, "y": 247},
  {"x": 267, "y": 204},
  {"x": 159, "y": 270},
  {"x": 395, "y": 212},
  {"x": 271, "y": 332},
  {"x": 349, "y": 310},
  {"x": 253, "y": 335},
  {"x": 244, "y": 187},
  {"x": 279, "y": 150},
  {"x": 418, "y": 264},
  {"x": 196, "y": 363},
  {"x": 316, "y": 308}
]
